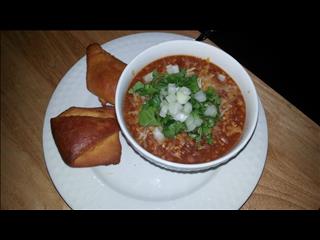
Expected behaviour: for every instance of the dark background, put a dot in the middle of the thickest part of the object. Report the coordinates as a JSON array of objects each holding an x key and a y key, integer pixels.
[
  {"x": 285, "y": 60},
  {"x": 282, "y": 53}
]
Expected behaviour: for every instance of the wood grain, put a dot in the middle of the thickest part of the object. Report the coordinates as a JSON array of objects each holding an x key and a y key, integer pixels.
[{"x": 32, "y": 64}]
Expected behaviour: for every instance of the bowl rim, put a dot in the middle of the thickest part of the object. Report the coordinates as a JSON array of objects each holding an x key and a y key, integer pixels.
[{"x": 174, "y": 165}]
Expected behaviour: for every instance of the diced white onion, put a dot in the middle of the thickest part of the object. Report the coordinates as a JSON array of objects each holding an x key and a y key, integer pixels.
[
  {"x": 200, "y": 96},
  {"x": 175, "y": 101},
  {"x": 190, "y": 124},
  {"x": 182, "y": 98},
  {"x": 185, "y": 90},
  {"x": 158, "y": 135},
  {"x": 221, "y": 77},
  {"x": 211, "y": 111},
  {"x": 187, "y": 108},
  {"x": 171, "y": 98},
  {"x": 163, "y": 92},
  {"x": 198, "y": 122},
  {"x": 172, "y": 69},
  {"x": 172, "y": 88},
  {"x": 164, "y": 102},
  {"x": 174, "y": 108},
  {"x": 148, "y": 78},
  {"x": 189, "y": 120},
  {"x": 180, "y": 116},
  {"x": 164, "y": 110}
]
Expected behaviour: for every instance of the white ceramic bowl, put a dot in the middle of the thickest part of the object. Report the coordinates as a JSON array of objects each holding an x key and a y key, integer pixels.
[{"x": 201, "y": 50}]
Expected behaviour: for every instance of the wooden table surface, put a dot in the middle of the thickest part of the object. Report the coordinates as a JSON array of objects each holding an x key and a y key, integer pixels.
[{"x": 32, "y": 64}]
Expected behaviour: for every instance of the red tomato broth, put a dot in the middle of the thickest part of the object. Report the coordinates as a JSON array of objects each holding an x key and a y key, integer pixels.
[{"x": 182, "y": 148}]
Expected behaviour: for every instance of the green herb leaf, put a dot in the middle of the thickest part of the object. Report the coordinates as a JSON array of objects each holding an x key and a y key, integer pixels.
[
  {"x": 155, "y": 75},
  {"x": 147, "y": 116},
  {"x": 155, "y": 102},
  {"x": 195, "y": 136},
  {"x": 148, "y": 90},
  {"x": 212, "y": 96},
  {"x": 209, "y": 139},
  {"x": 138, "y": 86},
  {"x": 173, "y": 129},
  {"x": 192, "y": 83}
]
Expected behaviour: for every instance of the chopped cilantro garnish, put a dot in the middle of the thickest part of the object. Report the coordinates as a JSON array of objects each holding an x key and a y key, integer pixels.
[{"x": 154, "y": 91}]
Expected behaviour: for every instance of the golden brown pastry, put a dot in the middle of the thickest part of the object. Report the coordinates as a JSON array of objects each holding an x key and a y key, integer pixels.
[
  {"x": 103, "y": 73},
  {"x": 87, "y": 137},
  {"x": 99, "y": 112}
]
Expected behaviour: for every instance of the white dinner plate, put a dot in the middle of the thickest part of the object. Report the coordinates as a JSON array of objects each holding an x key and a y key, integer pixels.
[{"x": 135, "y": 183}]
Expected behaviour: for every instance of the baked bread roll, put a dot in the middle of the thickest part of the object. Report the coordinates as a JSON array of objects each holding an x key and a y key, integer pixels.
[
  {"x": 87, "y": 137},
  {"x": 103, "y": 73}
]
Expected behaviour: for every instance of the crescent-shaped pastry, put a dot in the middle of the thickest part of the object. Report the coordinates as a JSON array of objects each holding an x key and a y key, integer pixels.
[{"x": 103, "y": 73}]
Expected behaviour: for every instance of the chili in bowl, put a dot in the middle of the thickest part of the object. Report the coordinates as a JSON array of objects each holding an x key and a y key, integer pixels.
[{"x": 186, "y": 105}]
